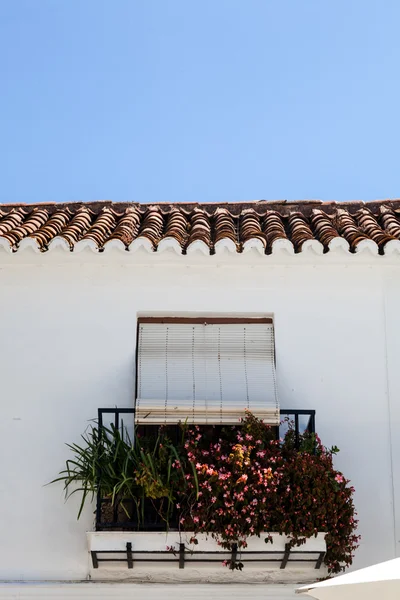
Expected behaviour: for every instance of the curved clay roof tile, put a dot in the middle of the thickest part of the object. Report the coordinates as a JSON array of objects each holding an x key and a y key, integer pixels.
[
  {"x": 368, "y": 224},
  {"x": 250, "y": 226},
  {"x": 224, "y": 226},
  {"x": 299, "y": 229},
  {"x": 390, "y": 221},
  {"x": 102, "y": 227},
  {"x": 152, "y": 225},
  {"x": 199, "y": 227},
  {"x": 348, "y": 228},
  {"x": 52, "y": 227},
  {"x": 11, "y": 220},
  {"x": 324, "y": 229},
  {"x": 127, "y": 227},
  {"x": 177, "y": 226},
  {"x": 273, "y": 227},
  {"x": 77, "y": 227},
  {"x": 33, "y": 222}
]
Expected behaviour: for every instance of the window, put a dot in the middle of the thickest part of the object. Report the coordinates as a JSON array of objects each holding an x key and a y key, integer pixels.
[{"x": 205, "y": 370}]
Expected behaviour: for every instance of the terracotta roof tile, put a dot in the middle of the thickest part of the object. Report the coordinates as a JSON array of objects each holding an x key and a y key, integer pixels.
[
  {"x": 273, "y": 227},
  {"x": 127, "y": 227},
  {"x": 77, "y": 227},
  {"x": 199, "y": 227},
  {"x": 224, "y": 226},
  {"x": 369, "y": 225},
  {"x": 239, "y": 223},
  {"x": 250, "y": 227},
  {"x": 51, "y": 227},
  {"x": 299, "y": 230},
  {"x": 152, "y": 225},
  {"x": 177, "y": 226},
  {"x": 102, "y": 227},
  {"x": 323, "y": 226},
  {"x": 11, "y": 220},
  {"x": 32, "y": 222},
  {"x": 347, "y": 227},
  {"x": 390, "y": 222}
]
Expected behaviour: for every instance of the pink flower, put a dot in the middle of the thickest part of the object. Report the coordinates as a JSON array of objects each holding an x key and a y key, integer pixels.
[
  {"x": 339, "y": 478},
  {"x": 196, "y": 519}
]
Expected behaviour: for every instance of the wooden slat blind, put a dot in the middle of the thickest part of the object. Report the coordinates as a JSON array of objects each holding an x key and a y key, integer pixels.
[{"x": 205, "y": 372}]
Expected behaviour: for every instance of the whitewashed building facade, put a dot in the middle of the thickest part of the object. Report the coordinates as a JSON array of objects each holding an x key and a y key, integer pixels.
[{"x": 75, "y": 279}]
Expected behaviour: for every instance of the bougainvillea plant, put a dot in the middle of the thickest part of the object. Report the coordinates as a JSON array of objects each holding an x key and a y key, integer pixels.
[{"x": 248, "y": 483}]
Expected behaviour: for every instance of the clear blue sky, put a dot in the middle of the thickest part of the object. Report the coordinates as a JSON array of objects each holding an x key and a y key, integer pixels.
[{"x": 211, "y": 100}]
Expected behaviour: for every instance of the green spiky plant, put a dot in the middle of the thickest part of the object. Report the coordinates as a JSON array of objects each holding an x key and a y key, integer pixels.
[{"x": 124, "y": 472}]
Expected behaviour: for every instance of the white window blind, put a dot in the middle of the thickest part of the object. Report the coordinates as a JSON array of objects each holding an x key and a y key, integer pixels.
[{"x": 205, "y": 373}]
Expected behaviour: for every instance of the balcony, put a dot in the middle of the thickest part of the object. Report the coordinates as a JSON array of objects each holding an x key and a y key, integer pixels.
[
  {"x": 110, "y": 515},
  {"x": 177, "y": 502},
  {"x": 122, "y": 545}
]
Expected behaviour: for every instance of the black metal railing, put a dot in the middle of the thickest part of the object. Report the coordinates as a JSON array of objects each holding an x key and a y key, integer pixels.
[
  {"x": 111, "y": 516},
  {"x": 105, "y": 418},
  {"x": 186, "y": 556},
  {"x": 302, "y": 421}
]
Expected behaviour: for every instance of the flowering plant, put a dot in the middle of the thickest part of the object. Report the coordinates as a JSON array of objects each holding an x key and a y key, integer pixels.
[
  {"x": 231, "y": 483},
  {"x": 246, "y": 482}
]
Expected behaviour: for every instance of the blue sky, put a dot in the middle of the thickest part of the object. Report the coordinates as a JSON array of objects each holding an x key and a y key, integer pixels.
[{"x": 182, "y": 100}]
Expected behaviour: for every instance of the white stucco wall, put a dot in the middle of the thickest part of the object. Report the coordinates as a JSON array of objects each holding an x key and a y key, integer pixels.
[{"x": 67, "y": 347}]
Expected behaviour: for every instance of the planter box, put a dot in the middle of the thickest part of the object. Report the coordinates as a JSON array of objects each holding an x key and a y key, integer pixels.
[{"x": 144, "y": 556}]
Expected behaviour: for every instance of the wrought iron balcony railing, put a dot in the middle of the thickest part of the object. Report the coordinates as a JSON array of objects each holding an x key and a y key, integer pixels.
[{"x": 111, "y": 516}]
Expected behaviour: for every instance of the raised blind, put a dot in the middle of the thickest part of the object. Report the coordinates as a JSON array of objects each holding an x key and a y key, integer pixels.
[{"x": 205, "y": 373}]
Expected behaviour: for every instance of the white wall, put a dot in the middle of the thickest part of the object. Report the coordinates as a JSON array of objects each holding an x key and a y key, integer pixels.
[{"x": 67, "y": 347}]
